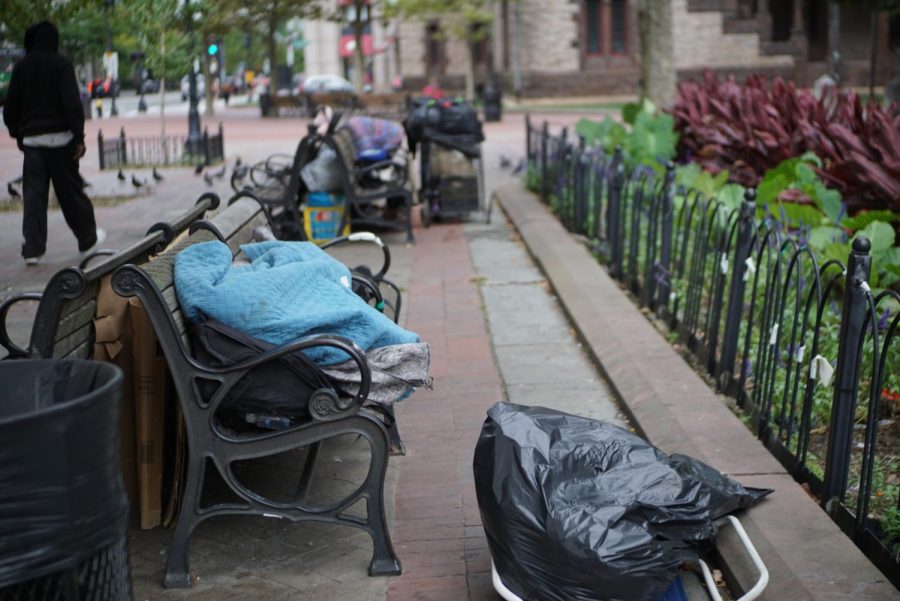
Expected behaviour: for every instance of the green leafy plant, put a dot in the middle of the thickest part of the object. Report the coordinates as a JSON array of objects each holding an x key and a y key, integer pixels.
[{"x": 646, "y": 135}]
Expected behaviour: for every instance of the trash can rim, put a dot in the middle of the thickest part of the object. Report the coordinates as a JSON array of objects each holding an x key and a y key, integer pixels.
[{"x": 115, "y": 380}]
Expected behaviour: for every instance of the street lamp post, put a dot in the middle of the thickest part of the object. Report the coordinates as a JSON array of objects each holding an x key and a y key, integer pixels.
[
  {"x": 194, "y": 138},
  {"x": 113, "y": 111}
]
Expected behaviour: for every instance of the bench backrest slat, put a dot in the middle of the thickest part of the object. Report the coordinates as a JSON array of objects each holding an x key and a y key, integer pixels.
[
  {"x": 63, "y": 325},
  {"x": 235, "y": 225},
  {"x": 79, "y": 344},
  {"x": 81, "y": 314}
]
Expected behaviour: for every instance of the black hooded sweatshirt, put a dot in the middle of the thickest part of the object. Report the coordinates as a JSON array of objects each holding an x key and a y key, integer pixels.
[{"x": 43, "y": 95}]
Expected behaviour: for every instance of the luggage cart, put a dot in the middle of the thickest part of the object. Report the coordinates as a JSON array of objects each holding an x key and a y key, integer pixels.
[
  {"x": 452, "y": 178},
  {"x": 677, "y": 591}
]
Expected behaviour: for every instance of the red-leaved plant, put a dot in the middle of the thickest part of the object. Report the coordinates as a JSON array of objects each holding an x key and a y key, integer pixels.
[{"x": 750, "y": 128}]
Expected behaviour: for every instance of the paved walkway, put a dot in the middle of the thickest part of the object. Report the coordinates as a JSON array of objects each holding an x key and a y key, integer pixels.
[{"x": 496, "y": 333}]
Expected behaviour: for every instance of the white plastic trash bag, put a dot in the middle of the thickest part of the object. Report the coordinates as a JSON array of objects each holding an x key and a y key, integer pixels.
[{"x": 322, "y": 174}]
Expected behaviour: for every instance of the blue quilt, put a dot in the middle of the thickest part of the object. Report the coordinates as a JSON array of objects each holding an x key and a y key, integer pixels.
[{"x": 288, "y": 290}]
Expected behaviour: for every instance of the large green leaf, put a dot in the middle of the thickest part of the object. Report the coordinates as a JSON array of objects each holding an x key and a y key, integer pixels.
[
  {"x": 863, "y": 219},
  {"x": 822, "y": 236},
  {"x": 879, "y": 233},
  {"x": 652, "y": 138},
  {"x": 608, "y": 133},
  {"x": 732, "y": 196},
  {"x": 828, "y": 200},
  {"x": 796, "y": 215}
]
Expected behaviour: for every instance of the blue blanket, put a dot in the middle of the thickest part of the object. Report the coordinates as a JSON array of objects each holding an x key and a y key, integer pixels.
[{"x": 289, "y": 290}]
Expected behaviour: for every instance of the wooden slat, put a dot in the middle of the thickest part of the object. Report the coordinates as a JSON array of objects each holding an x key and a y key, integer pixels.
[
  {"x": 82, "y": 351},
  {"x": 78, "y": 338},
  {"x": 83, "y": 315}
]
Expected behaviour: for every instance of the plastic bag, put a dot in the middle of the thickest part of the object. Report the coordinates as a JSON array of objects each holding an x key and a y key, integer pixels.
[
  {"x": 323, "y": 173},
  {"x": 578, "y": 509}
]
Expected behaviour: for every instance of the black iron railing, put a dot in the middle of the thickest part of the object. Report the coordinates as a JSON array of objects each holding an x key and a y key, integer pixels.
[
  {"x": 146, "y": 151},
  {"x": 803, "y": 344}
]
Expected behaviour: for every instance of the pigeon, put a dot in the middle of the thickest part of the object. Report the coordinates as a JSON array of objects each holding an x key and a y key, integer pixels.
[
  {"x": 207, "y": 179},
  {"x": 136, "y": 182},
  {"x": 157, "y": 176},
  {"x": 505, "y": 163},
  {"x": 18, "y": 180},
  {"x": 198, "y": 169},
  {"x": 220, "y": 173},
  {"x": 520, "y": 167},
  {"x": 12, "y": 191},
  {"x": 237, "y": 162},
  {"x": 121, "y": 176}
]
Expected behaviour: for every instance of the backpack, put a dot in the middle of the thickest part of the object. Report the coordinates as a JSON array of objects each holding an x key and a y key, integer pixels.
[{"x": 280, "y": 388}]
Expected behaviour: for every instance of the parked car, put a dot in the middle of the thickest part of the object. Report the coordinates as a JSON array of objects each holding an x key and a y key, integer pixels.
[
  {"x": 326, "y": 83},
  {"x": 186, "y": 87},
  {"x": 102, "y": 88}
]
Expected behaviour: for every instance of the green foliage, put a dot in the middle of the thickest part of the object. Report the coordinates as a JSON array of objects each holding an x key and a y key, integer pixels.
[
  {"x": 792, "y": 182},
  {"x": 160, "y": 27},
  {"x": 861, "y": 220},
  {"x": 609, "y": 133},
  {"x": 650, "y": 139},
  {"x": 890, "y": 523},
  {"x": 694, "y": 177}
]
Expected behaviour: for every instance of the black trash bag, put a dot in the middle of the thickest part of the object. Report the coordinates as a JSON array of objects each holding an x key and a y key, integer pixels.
[
  {"x": 576, "y": 509},
  {"x": 444, "y": 119}
]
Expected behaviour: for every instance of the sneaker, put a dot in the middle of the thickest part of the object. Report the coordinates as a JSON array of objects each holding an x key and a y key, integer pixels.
[
  {"x": 34, "y": 260},
  {"x": 101, "y": 237}
]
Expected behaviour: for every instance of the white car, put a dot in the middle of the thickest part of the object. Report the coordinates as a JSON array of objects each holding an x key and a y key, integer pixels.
[
  {"x": 327, "y": 83},
  {"x": 186, "y": 86}
]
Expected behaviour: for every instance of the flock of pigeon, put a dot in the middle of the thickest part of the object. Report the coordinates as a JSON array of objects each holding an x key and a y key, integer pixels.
[{"x": 13, "y": 187}]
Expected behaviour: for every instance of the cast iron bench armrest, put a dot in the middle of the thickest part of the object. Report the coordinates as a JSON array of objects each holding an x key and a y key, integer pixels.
[
  {"x": 368, "y": 237},
  {"x": 14, "y": 352},
  {"x": 370, "y": 285},
  {"x": 338, "y": 407},
  {"x": 402, "y": 173}
]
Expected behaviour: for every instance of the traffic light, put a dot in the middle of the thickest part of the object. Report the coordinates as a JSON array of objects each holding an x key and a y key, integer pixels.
[{"x": 212, "y": 49}]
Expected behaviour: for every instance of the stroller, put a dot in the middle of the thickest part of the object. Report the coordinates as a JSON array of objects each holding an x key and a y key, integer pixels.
[{"x": 451, "y": 163}]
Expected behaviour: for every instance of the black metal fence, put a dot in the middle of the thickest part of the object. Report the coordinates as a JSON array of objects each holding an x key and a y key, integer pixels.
[
  {"x": 803, "y": 344},
  {"x": 146, "y": 151}
]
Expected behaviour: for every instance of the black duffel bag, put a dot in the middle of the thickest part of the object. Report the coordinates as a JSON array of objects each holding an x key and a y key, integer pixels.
[{"x": 279, "y": 388}]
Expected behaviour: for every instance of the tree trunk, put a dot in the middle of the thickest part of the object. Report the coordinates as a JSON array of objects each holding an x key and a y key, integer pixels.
[
  {"x": 162, "y": 99},
  {"x": 358, "y": 56},
  {"x": 271, "y": 48},
  {"x": 470, "y": 70},
  {"x": 657, "y": 60}
]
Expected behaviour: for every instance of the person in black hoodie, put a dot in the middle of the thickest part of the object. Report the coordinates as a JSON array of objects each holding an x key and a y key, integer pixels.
[{"x": 43, "y": 113}]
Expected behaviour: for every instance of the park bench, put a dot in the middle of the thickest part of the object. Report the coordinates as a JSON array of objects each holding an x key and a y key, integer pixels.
[
  {"x": 284, "y": 105},
  {"x": 344, "y": 101},
  {"x": 210, "y": 443},
  {"x": 371, "y": 285},
  {"x": 276, "y": 183},
  {"x": 391, "y": 105},
  {"x": 63, "y": 326},
  {"x": 360, "y": 197}
]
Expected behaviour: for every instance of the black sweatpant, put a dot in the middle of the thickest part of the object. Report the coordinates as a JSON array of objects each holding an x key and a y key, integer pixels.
[{"x": 43, "y": 165}]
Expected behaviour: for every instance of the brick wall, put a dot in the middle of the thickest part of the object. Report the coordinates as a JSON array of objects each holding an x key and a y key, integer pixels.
[
  {"x": 548, "y": 30},
  {"x": 700, "y": 42}
]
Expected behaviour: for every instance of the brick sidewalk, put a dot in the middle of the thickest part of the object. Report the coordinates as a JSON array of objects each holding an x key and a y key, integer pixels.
[{"x": 437, "y": 529}]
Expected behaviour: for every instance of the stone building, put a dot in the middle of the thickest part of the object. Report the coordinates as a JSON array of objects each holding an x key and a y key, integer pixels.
[{"x": 590, "y": 47}]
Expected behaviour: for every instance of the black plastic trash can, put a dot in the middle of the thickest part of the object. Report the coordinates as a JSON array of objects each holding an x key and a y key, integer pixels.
[
  {"x": 493, "y": 102},
  {"x": 63, "y": 507}
]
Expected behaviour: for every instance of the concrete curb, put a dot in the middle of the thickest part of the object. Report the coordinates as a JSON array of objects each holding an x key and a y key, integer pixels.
[{"x": 807, "y": 555}]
